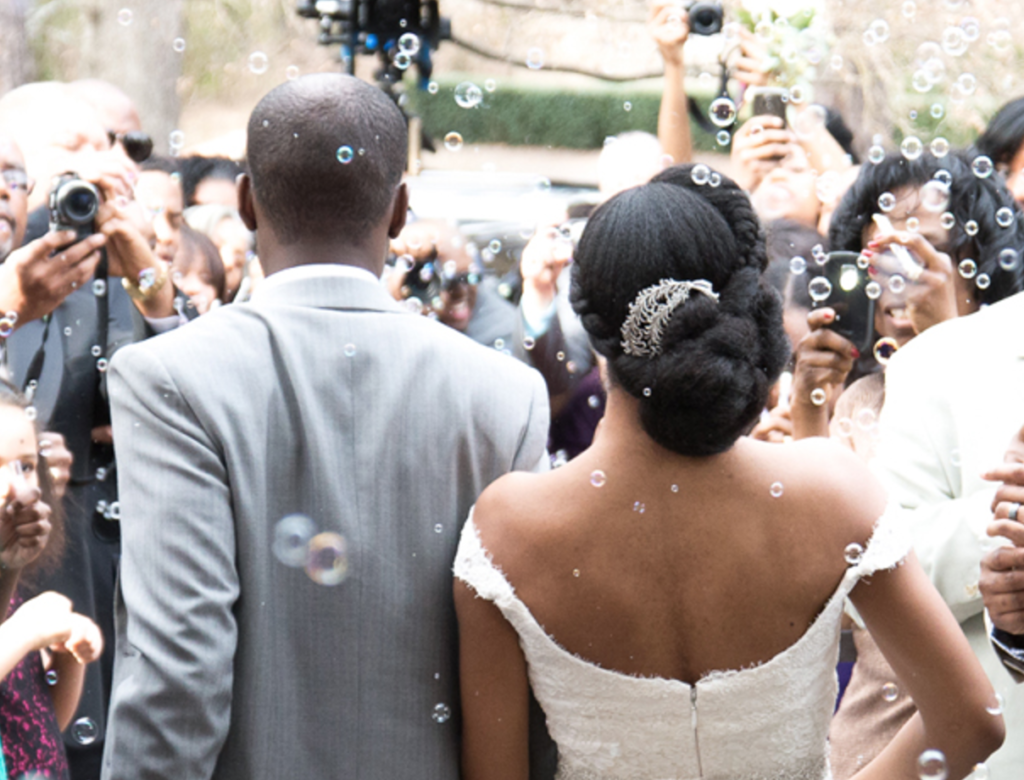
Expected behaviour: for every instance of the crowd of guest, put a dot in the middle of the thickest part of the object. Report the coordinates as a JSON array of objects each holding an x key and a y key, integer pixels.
[{"x": 167, "y": 244}]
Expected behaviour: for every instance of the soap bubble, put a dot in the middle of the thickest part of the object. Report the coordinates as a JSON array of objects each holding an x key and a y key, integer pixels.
[
  {"x": 880, "y": 29},
  {"x": 627, "y": 106},
  {"x": 947, "y": 220},
  {"x": 349, "y": 350},
  {"x": 996, "y": 706},
  {"x": 102, "y": 364},
  {"x": 291, "y": 72},
  {"x": 433, "y": 87},
  {"x": 327, "y": 558},
  {"x": 890, "y": 692},
  {"x": 921, "y": 81},
  {"x": 931, "y": 765},
  {"x": 939, "y": 147},
  {"x": 723, "y": 137},
  {"x": 908, "y": 9},
  {"x": 1004, "y": 217},
  {"x": 441, "y": 714},
  {"x": 258, "y": 63},
  {"x": 124, "y": 17},
  {"x": 876, "y": 154},
  {"x": 966, "y": 83},
  {"x": 968, "y": 268},
  {"x": 897, "y": 284},
  {"x": 51, "y": 677},
  {"x": 700, "y": 174},
  {"x": 453, "y": 141},
  {"x": 982, "y": 166},
  {"x": 818, "y": 396},
  {"x": 935, "y": 196},
  {"x": 535, "y": 58},
  {"x": 884, "y": 349},
  {"x": 954, "y": 42},
  {"x": 937, "y": 111},
  {"x": 85, "y": 731},
  {"x": 982, "y": 281},
  {"x": 911, "y": 147},
  {"x": 971, "y": 227},
  {"x": 886, "y": 201},
  {"x": 722, "y": 112},
  {"x": 468, "y": 95},
  {"x": 853, "y": 553},
  {"x": 873, "y": 290},
  {"x": 797, "y": 265},
  {"x": 490, "y": 85},
  {"x": 178, "y": 45},
  {"x": 409, "y": 43},
  {"x": 775, "y": 490},
  {"x": 598, "y": 478},
  {"x": 1008, "y": 259},
  {"x": 866, "y": 418},
  {"x": 345, "y": 154},
  {"x": 291, "y": 539},
  {"x": 819, "y": 289}
]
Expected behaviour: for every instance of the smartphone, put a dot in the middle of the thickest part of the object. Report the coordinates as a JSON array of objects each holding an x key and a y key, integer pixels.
[
  {"x": 847, "y": 296},
  {"x": 769, "y": 101}
]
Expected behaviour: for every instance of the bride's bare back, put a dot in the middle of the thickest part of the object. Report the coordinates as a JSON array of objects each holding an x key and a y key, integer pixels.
[{"x": 675, "y": 567}]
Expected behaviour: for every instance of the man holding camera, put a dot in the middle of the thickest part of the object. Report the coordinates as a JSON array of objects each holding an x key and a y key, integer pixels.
[{"x": 71, "y": 313}]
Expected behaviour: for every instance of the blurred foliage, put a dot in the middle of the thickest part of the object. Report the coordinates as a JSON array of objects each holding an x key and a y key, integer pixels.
[{"x": 520, "y": 114}]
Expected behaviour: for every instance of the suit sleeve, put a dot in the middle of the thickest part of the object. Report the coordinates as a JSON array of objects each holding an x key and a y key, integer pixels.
[
  {"x": 916, "y": 462},
  {"x": 176, "y": 631},
  {"x": 532, "y": 453}
]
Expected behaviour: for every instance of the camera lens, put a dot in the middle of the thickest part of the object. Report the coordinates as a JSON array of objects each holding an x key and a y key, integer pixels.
[
  {"x": 78, "y": 204},
  {"x": 705, "y": 18}
]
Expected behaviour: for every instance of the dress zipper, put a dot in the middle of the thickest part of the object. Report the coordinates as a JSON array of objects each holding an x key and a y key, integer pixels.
[{"x": 693, "y": 722}]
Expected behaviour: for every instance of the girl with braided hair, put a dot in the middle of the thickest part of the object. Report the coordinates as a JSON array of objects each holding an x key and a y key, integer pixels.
[{"x": 673, "y": 595}]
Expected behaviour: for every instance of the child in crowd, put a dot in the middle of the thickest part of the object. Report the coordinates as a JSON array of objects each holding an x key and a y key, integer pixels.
[{"x": 44, "y": 645}]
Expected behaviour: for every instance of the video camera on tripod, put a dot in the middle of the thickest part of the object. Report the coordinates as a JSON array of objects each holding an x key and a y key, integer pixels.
[{"x": 401, "y": 32}]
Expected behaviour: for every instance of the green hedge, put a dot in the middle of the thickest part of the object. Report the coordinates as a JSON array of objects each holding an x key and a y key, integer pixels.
[{"x": 528, "y": 116}]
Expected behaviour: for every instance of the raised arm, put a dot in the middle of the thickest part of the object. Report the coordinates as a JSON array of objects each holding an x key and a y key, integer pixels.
[
  {"x": 670, "y": 28},
  {"x": 173, "y": 677},
  {"x": 923, "y": 643}
]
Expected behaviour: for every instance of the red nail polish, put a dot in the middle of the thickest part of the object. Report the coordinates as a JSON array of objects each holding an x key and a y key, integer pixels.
[
  {"x": 828, "y": 316},
  {"x": 872, "y": 271},
  {"x": 855, "y": 352},
  {"x": 873, "y": 242}
]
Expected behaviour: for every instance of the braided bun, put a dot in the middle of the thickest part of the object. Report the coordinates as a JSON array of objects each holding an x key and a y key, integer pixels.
[{"x": 718, "y": 360}]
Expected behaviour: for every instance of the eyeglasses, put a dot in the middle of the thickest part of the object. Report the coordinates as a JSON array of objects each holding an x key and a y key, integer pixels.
[
  {"x": 137, "y": 145},
  {"x": 17, "y": 179}
]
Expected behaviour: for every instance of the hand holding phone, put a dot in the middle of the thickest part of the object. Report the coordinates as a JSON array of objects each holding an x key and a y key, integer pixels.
[{"x": 843, "y": 287}]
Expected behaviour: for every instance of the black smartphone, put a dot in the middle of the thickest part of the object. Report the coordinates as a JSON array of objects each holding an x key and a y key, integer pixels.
[
  {"x": 769, "y": 100},
  {"x": 842, "y": 285}
]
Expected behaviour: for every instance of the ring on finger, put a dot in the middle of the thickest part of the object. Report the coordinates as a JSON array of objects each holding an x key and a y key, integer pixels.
[{"x": 1014, "y": 509}]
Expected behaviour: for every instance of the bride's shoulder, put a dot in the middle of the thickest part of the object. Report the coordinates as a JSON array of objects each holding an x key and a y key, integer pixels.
[
  {"x": 833, "y": 485},
  {"x": 517, "y": 513}
]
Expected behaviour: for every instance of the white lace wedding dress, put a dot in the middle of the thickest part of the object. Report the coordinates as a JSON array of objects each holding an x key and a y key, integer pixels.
[{"x": 768, "y": 722}]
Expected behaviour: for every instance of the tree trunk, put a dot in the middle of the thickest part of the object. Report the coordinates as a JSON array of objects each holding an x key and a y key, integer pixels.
[
  {"x": 138, "y": 56},
  {"x": 16, "y": 64}
]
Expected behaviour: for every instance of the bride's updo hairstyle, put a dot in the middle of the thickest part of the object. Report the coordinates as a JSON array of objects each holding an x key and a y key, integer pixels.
[{"x": 713, "y": 362}]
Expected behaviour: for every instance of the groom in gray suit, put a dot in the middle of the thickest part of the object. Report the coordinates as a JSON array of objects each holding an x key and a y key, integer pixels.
[{"x": 294, "y": 473}]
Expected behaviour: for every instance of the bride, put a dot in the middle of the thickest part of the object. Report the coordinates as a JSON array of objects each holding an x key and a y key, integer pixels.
[{"x": 673, "y": 595}]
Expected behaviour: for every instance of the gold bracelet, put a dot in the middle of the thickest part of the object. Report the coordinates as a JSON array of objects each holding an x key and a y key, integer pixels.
[{"x": 151, "y": 281}]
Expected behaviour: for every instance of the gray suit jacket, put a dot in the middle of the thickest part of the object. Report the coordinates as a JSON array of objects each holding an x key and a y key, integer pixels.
[{"x": 321, "y": 397}]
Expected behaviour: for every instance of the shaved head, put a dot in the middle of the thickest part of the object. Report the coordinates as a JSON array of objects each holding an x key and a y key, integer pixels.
[
  {"x": 326, "y": 154},
  {"x": 115, "y": 109}
]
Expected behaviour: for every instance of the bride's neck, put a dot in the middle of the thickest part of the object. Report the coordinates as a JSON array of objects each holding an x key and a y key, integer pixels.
[{"x": 621, "y": 435}]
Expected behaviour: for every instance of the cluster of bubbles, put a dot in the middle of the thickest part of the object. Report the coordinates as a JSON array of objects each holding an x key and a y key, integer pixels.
[
  {"x": 324, "y": 555},
  {"x": 701, "y": 174}
]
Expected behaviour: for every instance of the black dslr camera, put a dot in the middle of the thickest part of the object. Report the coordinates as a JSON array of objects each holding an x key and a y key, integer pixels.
[
  {"x": 73, "y": 205},
  {"x": 704, "y": 18}
]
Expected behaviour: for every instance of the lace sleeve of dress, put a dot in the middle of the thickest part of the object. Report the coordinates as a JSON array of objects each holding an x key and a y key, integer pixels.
[
  {"x": 888, "y": 546},
  {"x": 473, "y": 565}
]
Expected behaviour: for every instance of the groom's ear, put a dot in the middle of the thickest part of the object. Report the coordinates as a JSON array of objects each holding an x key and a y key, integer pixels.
[
  {"x": 246, "y": 202},
  {"x": 399, "y": 211}
]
